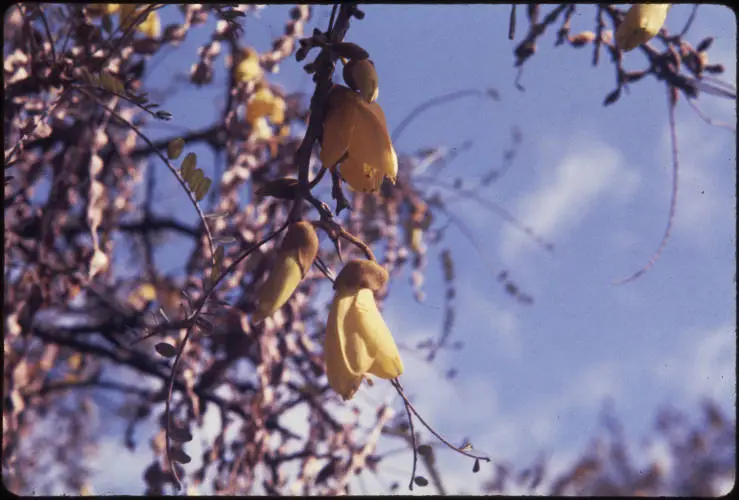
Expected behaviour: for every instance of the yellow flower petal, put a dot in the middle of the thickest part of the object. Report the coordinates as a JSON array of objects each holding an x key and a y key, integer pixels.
[
  {"x": 370, "y": 140},
  {"x": 282, "y": 281},
  {"x": 277, "y": 113},
  {"x": 341, "y": 377},
  {"x": 150, "y": 26},
  {"x": 360, "y": 176},
  {"x": 249, "y": 70},
  {"x": 641, "y": 23},
  {"x": 338, "y": 125},
  {"x": 364, "y": 318},
  {"x": 260, "y": 104}
]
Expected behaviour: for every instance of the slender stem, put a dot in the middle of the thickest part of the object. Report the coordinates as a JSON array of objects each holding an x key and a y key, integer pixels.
[
  {"x": 399, "y": 389},
  {"x": 188, "y": 334},
  {"x": 673, "y": 198},
  {"x": 166, "y": 162},
  {"x": 690, "y": 20},
  {"x": 424, "y": 106},
  {"x": 413, "y": 440}
]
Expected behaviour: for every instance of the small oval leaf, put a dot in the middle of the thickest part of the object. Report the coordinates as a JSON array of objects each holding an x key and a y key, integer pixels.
[
  {"x": 704, "y": 44},
  {"x": 612, "y": 97},
  {"x": 421, "y": 481},
  {"x": 203, "y": 188},
  {"x": 179, "y": 456},
  {"x": 188, "y": 165},
  {"x": 166, "y": 350},
  {"x": 476, "y": 467},
  {"x": 196, "y": 178},
  {"x": 179, "y": 434},
  {"x": 424, "y": 450}
]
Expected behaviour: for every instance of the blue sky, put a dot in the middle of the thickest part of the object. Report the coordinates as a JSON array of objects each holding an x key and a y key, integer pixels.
[{"x": 594, "y": 181}]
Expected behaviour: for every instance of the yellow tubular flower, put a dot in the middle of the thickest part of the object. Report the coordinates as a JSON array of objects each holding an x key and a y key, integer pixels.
[
  {"x": 249, "y": 69},
  {"x": 358, "y": 130},
  {"x": 357, "y": 339},
  {"x": 294, "y": 258},
  {"x": 641, "y": 23},
  {"x": 151, "y": 26},
  {"x": 264, "y": 103}
]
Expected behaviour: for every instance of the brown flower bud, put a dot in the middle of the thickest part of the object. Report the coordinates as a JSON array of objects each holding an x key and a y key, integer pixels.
[
  {"x": 301, "y": 240},
  {"x": 362, "y": 274},
  {"x": 582, "y": 39}
]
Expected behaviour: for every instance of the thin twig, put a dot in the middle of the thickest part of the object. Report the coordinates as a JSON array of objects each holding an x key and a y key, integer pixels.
[
  {"x": 396, "y": 383},
  {"x": 436, "y": 101},
  {"x": 690, "y": 20},
  {"x": 708, "y": 119},
  {"x": 413, "y": 438},
  {"x": 48, "y": 33},
  {"x": 673, "y": 199},
  {"x": 177, "y": 175},
  {"x": 466, "y": 194},
  {"x": 188, "y": 334}
]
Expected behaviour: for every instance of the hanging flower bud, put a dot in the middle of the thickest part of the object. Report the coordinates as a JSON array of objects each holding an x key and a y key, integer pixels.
[
  {"x": 355, "y": 131},
  {"x": 360, "y": 74},
  {"x": 641, "y": 23},
  {"x": 357, "y": 339},
  {"x": 294, "y": 258}
]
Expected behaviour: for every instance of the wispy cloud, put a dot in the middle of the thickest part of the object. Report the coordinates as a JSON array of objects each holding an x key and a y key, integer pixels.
[
  {"x": 566, "y": 193},
  {"x": 703, "y": 201},
  {"x": 703, "y": 364}
]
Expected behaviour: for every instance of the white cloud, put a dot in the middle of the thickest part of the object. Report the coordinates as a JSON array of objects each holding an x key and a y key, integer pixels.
[
  {"x": 702, "y": 365},
  {"x": 563, "y": 197},
  {"x": 701, "y": 198}
]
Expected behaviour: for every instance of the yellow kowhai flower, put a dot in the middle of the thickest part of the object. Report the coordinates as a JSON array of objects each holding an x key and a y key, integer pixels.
[
  {"x": 249, "y": 69},
  {"x": 265, "y": 103},
  {"x": 641, "y": 23},
  {"x": 294, "y": 258},
  {"x": 150, "y": 26},
  {"x": 355, "y": 132},
  {"x": 357, "y": 339}
]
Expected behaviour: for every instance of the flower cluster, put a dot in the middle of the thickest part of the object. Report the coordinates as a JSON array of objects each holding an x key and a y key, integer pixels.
[{"x": 355, "y": 138}]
